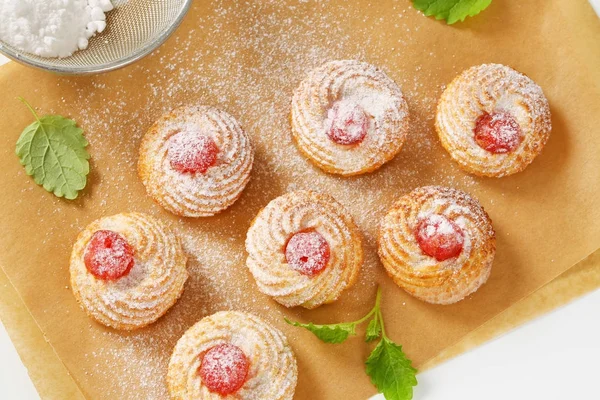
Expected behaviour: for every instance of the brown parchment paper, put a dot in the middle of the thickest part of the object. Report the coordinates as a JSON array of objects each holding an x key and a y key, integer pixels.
[
  {"x": 53, "y": 381},
  {"x": 247, "y": 57},
  {"x": 46, "y": 370},
  {"x": 579, "y": 280}
]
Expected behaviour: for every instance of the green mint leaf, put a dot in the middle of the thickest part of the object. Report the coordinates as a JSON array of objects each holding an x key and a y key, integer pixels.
[
  {"x": 451, "y": 10},
  {"x": 334, "y": 333},
  {"x": 373, "y": 329},
  {"x": 391, "y": 372},
  {"x": 52, "y": 149}
]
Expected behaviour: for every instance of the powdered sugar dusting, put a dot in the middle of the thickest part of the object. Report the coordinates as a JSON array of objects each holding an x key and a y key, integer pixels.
[
  {"x": 498, "y": 132},
  {"x": 505, "y": 95},
  {"x": 224, "y": 368},
  {"x": 346, "y": 122},
  {"x": 108, "y": 255},
  {"x": 236, "y": 353},
  {"x": 196, "y": 161},
  {"x": 307, "y": 252},
  {"x": 439, "y": 237},
  {"x": 438, "y": 243},
  {"x": 246, "y": 58},
  {"x": 308, "y": 212},
  {"x": 351, "y": 91},
  {"x": 151, "y": 287},
  {"x": 192, "y": 152}
]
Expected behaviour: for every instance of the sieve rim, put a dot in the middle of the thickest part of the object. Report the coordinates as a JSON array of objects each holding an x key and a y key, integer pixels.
[{"x": 25, "y": 59}]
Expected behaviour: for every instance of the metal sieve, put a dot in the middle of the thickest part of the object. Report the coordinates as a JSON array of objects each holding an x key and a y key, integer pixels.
[{"x": 134, "y": 29}]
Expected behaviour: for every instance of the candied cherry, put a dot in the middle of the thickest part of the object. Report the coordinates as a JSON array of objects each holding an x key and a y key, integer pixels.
[
  {"x": 108, "y": 255},
  {"x": 439, "y": 237},
  {"x": 349, "y": 123},
  {"x": 224, "y": 369},
  {"x": 192, "y": 153},
  {"x": 498, "y": 132},
  {"x": 307, "y": 252}
]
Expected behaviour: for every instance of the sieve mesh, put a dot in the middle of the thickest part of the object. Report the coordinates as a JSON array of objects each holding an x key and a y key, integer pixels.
[{"x": 134, "y": 28}]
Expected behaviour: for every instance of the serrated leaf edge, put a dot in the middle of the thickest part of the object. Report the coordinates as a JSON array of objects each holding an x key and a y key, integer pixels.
[
  {"x": 447, "y": 14},
  {"x": 63, "y": 189},
  {"x": 376, "y": 354},
  {"x": 351, "y": 329}
]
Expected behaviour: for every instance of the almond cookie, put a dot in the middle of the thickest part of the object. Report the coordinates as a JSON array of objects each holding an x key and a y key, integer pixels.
[
  {"x": 304, "y": 249},
  {"x": 438, "y": 244},
  {"x": 349, "y": 117},
  {"x": 195, "y": 161},
  {"x": 127, "y": 270},
  {"x": 493, "y": 120},
  {"x": 232, "y": 355}
]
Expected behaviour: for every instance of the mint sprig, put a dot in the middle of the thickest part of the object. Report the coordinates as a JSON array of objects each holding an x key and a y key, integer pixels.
[
  {"x": 391, "y": 371},
  {"x": 451, "y": 10},
  {"x": 52, "y": 149},
  {"x": 389, "y": 368},
  {"x": 337, "y": 333}
]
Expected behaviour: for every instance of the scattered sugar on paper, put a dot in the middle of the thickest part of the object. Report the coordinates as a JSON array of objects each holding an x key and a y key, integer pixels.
[{"x": 249, "y": 70}]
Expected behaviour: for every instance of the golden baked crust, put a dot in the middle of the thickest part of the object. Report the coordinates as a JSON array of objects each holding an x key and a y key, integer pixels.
[
  {"x": 439, "y": 282},
  {"x": 152, "y": 286},
  {"x": 273, "y": 371},
  {"x": 364, "y": 84},
  {"x": 284, "y": 217},
  {"x": 484, "y": 89},
  {"x": 196, "y": 194}
]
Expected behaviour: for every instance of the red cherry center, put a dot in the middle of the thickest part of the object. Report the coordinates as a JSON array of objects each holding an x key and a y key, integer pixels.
[
  {"x": 108, "y": 255},
  {"x": 192, "y": 152},
  {"x": 349, "y": 123},
  {"x": 307, "y": 252},
  {"x": 439, "y": 237},
  {"x": 224, "y": 369},
  {"x": 498, "y": 132}
]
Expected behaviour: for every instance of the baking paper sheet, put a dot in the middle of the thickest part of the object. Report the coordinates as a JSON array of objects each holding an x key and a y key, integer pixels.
[{"x": 247, "y": 57}]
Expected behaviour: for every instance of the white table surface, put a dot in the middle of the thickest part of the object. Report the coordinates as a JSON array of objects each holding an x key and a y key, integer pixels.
[{"x": 553, "y": 357}]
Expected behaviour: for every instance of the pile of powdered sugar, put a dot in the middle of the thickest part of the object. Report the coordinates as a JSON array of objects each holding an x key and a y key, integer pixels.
[{"x": 51, "y": 28}]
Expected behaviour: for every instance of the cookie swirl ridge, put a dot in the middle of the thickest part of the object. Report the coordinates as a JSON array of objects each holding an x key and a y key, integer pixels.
[
  {"x": 148, "y": 290},
  {"x": 272, "y": 372},
  {"x": 490, "y": 89},
  {"x": 196, "y": 194},
  {"x": 272, "y": 230},
  {"x": 422, "y": 275},
  {"x": 364, "y": 98}
]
